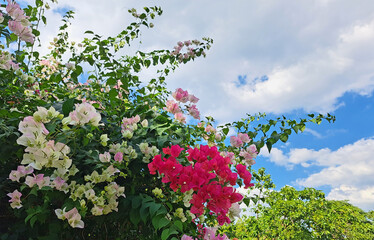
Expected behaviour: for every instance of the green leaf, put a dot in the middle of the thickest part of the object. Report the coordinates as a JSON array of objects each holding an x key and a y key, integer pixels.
[
  {"x": 165, "y": 234},
  {"x": 246, "y": 201},
  {"x": 225, "y": 130},
  {"x": 160, "y": 221},
  {"x": 179, "y": 225},
  {"x": 34, "y": 191},
  {"x": 283, "y": 137},
  {"x": 163, "y": 222},
  {"x": 134, "y": 216},
  {"x": 161, "y": 141},
  {"x": 113, "y": 94},
  {"x": 144, "y": 212},
  {"x": 136, "y": 201},
  {"x": 39, "y": 3},
  {"x": 153, "y": 208},
  {"x": 33, "y": 220},
  {"x": 67, "y": 106},
  {"x": 269, "y": 146}
]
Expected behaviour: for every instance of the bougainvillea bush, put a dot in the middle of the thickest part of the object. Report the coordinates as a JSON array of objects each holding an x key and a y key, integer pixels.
[{"x": 113, "y": 156}]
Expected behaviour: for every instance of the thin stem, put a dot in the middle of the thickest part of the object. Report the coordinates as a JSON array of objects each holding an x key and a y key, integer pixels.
[{"x": 41, "y": 10}]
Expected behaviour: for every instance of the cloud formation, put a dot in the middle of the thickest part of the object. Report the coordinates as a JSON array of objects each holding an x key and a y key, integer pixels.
[
  {"x": 312, "y": 52},
  {"x": 348, "y": 170}
]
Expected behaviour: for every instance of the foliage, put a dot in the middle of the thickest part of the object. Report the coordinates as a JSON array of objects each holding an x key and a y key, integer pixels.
[
  {"x": 305, "y": 214},
  {"x": 76, "y": 159}
]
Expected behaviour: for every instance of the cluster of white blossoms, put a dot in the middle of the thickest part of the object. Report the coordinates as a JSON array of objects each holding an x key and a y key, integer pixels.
[
  {"x": 44, "y": 153},
  {"x": 84, "y": 113}
]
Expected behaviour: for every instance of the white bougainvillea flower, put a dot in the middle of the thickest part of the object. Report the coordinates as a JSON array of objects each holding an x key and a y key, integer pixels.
[
  {"x": 15, "y": 199},
  {"x": 74, "y": 218},
  {"x": 84, "y": 113}
]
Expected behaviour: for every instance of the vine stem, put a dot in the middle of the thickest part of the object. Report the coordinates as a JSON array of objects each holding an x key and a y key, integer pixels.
[{"x": 41, "y": 10}]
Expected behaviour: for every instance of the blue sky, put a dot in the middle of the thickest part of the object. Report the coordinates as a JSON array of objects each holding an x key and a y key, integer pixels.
[{"x": 315, "y": 56}]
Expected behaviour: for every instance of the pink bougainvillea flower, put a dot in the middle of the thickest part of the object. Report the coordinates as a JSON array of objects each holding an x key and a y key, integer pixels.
[
  {"x": 21, "y": 172},
  {"x": 15, "y": 199},
  {"x": 192, "y": 98},
  {"x": 179, "y": 117},
  {"x": 59, "y": 183},
  {"x": 180, "y": 95},
  {"x": 39, "y": 180},
  {"x": 245, "y": 175},
  {"x": 118, "y": 157},
  {"x": 194, "y": 112},
  {"x": 185, "y": 237},
  {"x": 175, "y": 150},
  {"x": 172, "y": 107},
  {"x": 210, "y": 128},
  {"x": 249, "y": 154},
  {"x": 236, "y": 142},
  {"x": 208, "y": 176},
  {"x": 244, "y": 137},
  {"x": 73, "y": 217}
]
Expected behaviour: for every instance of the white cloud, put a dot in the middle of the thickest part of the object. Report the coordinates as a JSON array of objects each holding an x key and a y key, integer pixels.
[
  {"x": 313, "y": 132},
  {"x": 348, "y": 170},
  {"x": 363, "y": 197},
  {"x": 311, "y": 53}
]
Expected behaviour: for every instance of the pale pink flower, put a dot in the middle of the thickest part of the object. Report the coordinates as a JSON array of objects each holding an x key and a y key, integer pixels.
[
  {"x": 15, "y": 199},
  {"x": 45, "y": 62},
  {"x": 111, "y": 170},
  {"x": 136, "y": 119},
  {"x": 12, "y": 7},
  {"x": 84, "y": 113},
  {"x": 249, "y": 154},
  {"x": 22, "y": 31},
  {"x": 194, "y": 112},
  {"x": 130, "y": 121},
  {"x": 185, "y": 237},
  {"x": 27, "y": 35},
  {"x": 236, "y": 142},
  {"x": 210, "y": 233},
  {"x": 18, "y": 14},
  {"x": 105, "y": 157},
  {"x": 187, "y": 43},
  {"x": 210, "y": 128},
  {"x": 192, "y": 98},
  {"x": 244, "y": 137},
  {"x": 14, "y": 176},
  {"x": 218, "y": 136},
  {"x": 172, "y": 107},
  {"x": 74, "y": 218},
  {"x": 180, "y": 95},
  {"x": 39, "y": 180},
  {"x": 29, "y": 125},
  {"x": 180, "y": 117},
  {"x": 59, "y": 183},
  {"x": 118, "y": 157},
  {"x": 21, "y": 172}
]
